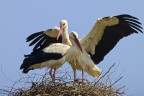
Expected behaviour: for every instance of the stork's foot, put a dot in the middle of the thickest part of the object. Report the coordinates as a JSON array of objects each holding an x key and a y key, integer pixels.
[
  {"x": 53, "y": 79},
  {"x": 50, "y": 73},
  {"x": 79, "y": 81},
  {"x": 52, "y": 76},
  {"x": 83, "y": 80},
  {"x": 76, "y": 80}
]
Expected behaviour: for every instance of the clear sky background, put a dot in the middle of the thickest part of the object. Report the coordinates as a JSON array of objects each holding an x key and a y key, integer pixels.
[{"x": 20, "y": 18}]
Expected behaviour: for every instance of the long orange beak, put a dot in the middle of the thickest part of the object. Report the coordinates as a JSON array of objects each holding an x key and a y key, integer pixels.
[
  {"x": 78, "y": 44},
  {"x": 60, "y": 32}
]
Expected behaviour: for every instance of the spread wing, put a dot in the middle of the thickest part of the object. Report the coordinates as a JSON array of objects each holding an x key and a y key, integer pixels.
[
  {"x": 107, "y": 32},
  {"x": 44, "y": 38}
]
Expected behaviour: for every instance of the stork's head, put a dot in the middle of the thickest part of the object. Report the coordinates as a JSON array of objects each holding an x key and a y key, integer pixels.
[
  {"x": 63, "y": 25},
  {"x": 74, "y": 40}
]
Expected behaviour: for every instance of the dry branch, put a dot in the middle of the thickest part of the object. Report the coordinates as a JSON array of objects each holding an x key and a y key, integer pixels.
[{"x": 64, "y": 86}]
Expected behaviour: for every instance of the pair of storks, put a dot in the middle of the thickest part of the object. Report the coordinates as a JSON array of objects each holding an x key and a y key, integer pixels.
[{"x": 54, "y": 47}]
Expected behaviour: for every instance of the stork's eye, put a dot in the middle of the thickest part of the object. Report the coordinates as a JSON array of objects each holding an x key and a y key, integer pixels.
[
  {"x": 74, "y": 35},
  {"x": 63, "y": 24}
]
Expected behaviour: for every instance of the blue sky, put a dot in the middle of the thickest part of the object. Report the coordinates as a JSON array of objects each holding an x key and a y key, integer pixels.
[{"x": 20, "y": 18}]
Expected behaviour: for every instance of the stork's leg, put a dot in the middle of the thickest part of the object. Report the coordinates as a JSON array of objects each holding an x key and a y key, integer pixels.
[
  {"x": 75, "y": 75},
  {"x": 50, "y": 72},
  {"x": 73, "y": 64},
  {"x": 54, "y": 74},
  {"x": 82, "y": 75}
]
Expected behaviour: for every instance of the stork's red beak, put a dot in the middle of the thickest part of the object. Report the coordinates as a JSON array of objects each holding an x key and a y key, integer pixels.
[
  {"x": 60, "y": 32},
  {"x": 78, "y": 44}
]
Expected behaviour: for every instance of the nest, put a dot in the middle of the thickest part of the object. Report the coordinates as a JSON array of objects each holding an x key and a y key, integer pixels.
[{"x": 64, "y": 86}]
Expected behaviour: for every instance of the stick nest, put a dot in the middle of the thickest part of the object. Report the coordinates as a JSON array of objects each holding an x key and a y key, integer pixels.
[{"x": 64, "y": 86}]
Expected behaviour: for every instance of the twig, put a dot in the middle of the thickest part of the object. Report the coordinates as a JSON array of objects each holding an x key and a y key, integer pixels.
[{"x": 105, "y": 73}]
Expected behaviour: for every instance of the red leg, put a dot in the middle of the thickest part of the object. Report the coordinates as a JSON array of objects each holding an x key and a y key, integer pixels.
[
  {"x": 54, "y": 74},
  {"x": 75, "y": 75},
  {"x": 82, "y": 75},
  {"x": 50, "y": 73}
]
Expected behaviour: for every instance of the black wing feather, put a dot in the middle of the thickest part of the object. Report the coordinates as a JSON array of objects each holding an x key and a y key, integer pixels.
[
  {"x": 39, "y": 43},
  {"x": 35, "y": 40},
  {"x": 38, "y": 58},
  {"x": 42, "y": 40},
  {"x": 32, "y": 36},
  {"x": 112, "y": 34},
  {"x": 126, "y": 16},
  {"x": 46, "y": 41}
]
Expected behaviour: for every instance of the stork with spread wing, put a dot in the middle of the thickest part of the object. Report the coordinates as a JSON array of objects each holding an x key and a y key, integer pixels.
[
  {"x": 56, "y": 54},
  {"x": 102, "y": 38}
]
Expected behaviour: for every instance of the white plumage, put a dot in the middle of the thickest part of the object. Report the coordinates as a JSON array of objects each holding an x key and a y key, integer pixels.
[
  {"x": 79, "y": 59},
  {"x": 102, "y": 38},
  {"x": 51, "y": 57},
  {"x": 61, "y": 53}
]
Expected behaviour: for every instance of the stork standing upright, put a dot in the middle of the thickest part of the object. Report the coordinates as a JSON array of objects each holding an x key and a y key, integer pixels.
[
  {"x": 79, "y": 58},
  {"x": 54, "y": 55},
  {"x": 45, "y": 38},
  {"x": 104, "y": 35}
]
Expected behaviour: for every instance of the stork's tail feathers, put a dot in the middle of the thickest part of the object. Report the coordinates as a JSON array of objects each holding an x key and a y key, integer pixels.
[
  {"x": 94, "y": 71},
  {"x": 25, "y": 64}
]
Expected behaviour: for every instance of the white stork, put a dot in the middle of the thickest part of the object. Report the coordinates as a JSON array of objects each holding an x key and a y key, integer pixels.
[
  {"x": 102, "y": 38},
  {"x": 79, "y": 58},
  {"x": 54, "y": 55}
]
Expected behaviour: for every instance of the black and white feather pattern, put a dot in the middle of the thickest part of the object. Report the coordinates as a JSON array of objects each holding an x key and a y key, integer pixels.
[
  {"x": 112, "y": 34},
  {"x": 44, "y": 38},
  {"x": 48, "y": 56}
]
